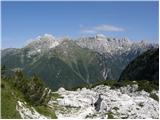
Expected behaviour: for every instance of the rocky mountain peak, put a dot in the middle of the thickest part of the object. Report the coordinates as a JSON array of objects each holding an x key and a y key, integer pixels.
[
  {"x": 49, "y": 36},
  {"x": 46, "y": 38},
  {"x": 100, "y": 37},
  {"x": 41, "y": 43}
]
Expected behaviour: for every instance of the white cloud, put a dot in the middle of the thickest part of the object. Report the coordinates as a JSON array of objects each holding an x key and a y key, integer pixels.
[
  {"x": 101, "y": 28},
  {"x": 109, "y": 28}
]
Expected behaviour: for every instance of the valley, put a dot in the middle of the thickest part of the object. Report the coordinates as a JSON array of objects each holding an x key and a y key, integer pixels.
[
  {"x": 51, "y": 78},
  {"x": 71, "y": 63}
]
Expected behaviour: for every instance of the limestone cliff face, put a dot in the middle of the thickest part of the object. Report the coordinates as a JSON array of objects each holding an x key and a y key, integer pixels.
[{"x": 125, "y": 102}]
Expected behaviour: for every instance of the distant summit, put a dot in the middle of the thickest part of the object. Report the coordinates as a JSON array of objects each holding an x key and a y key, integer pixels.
[
  {"x": 100, "y": 37},
  {"x": 41, "y": 44}
]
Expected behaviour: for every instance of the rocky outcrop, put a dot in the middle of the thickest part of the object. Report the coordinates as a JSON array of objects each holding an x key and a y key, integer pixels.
[
  {"x": 97, "y": 104},
  {"x": 126, "y": 103},
  {"x": 27, "y": 112}
]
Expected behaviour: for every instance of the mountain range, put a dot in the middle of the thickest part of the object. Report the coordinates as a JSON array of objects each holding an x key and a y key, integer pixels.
[{"x": 70, "y": 62}]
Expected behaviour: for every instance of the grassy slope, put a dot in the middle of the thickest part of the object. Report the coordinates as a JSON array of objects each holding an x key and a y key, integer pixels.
[
  {"x": 8, "y": 101},
  {"x": 67, "y": 67},
  {"x": 9, "y": 97},
  {"x": 46, "y": 111}
]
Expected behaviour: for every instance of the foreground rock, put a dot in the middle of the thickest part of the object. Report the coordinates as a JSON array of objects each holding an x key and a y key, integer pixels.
[
  {"x": 125, "y": 102},
  {"x": 27, "y": 112}
]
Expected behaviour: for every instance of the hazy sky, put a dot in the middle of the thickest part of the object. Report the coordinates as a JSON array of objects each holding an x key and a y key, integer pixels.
[{"x": 22, "y": 21}]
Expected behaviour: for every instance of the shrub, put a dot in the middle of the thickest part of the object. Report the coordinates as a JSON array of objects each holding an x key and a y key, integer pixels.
[
  {"x": 2, "y": 85},
  {"x": 147, "y": 86},
  {"x": 154, "y": 96},
  {"x": 110, "y": 115}
]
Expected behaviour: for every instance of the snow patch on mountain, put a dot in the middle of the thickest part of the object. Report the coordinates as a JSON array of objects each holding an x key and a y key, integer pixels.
[{"x": 125, "y": 102}]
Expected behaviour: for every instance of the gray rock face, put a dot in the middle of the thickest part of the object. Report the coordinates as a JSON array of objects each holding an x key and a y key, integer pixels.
[
  {"x": 41, "y": 44},
  {"x": 27, "y": 112},
  {"x": 97, "y": 104},
  {"x": 112, "y": 46},
  {"x": 118, "y": 103}
]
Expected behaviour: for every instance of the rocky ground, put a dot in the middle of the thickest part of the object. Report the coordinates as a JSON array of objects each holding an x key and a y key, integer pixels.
[
  {"x": 27, "y": 112},
  {"x": 126, "y": 102},
  {"x": 123, "y": 103}
]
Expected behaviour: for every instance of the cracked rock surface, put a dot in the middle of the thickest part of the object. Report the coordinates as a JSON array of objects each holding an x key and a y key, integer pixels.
[{"x": 126, "y": 102}]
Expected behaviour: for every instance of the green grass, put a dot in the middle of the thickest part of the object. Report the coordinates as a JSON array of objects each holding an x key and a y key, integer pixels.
[
  {"x": 147, "y": 86},
  {"x": 46, "y": 111},
  {"x": 8, "y": 102},
  {"x": 110, "y": 115},
  {"x": 9, "y": 98}
]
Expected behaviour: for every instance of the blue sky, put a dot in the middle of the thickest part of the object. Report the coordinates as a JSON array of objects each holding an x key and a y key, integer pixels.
[{"x": 22, "y": 21}]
